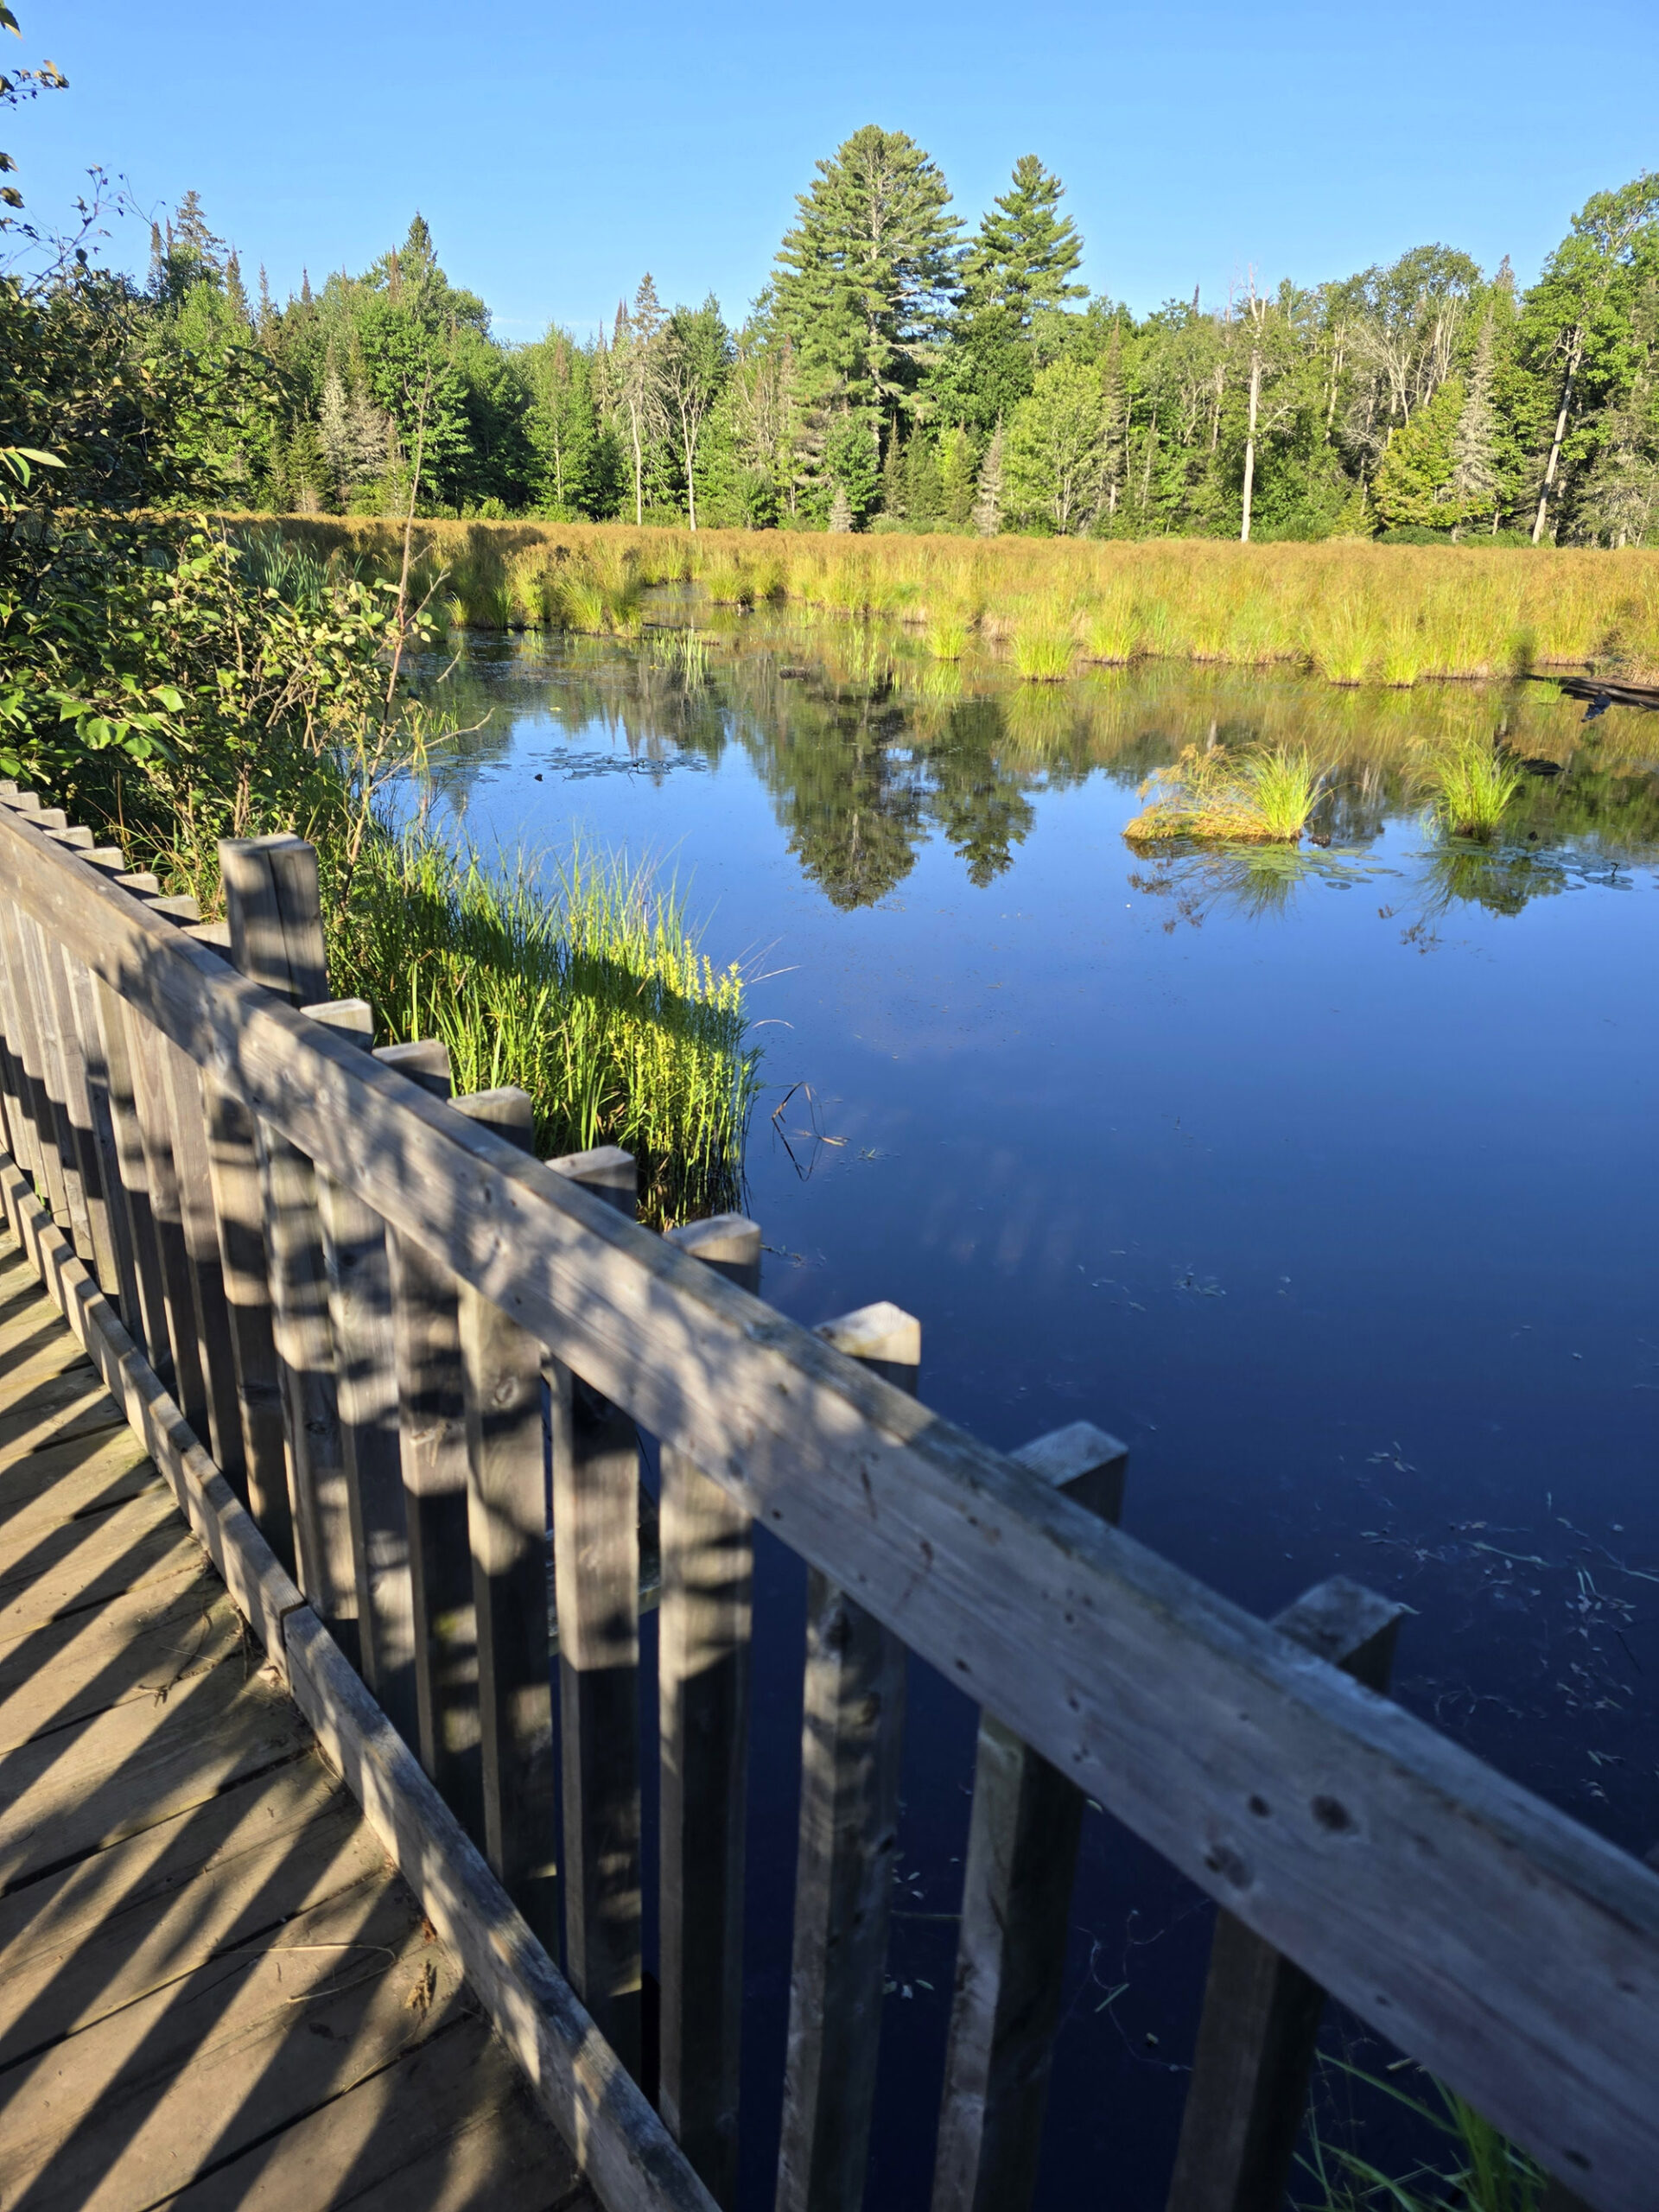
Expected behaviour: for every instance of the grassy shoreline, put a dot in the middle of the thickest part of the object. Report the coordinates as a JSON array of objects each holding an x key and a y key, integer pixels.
[{"x": 1350, "y": 611}]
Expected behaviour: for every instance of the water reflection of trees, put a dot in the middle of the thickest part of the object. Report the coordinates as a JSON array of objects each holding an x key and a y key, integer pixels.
[{"x": 868, "y": 750}]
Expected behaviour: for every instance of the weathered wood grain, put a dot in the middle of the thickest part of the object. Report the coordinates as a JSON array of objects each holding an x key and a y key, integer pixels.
[
  {"x": 852, "y": 1743},
  {"x": 630, "y": 2160},
  {"x": 447, "y": 2128},
  {"x": 146, "y": 1051},
  {"x": 185, "y": 2077},
  {"x": 116, "y": 1228},
  {"x": 263, "y": 1591},
  {"x": 147, "y": 1323},
  {"x": 509, "y": 1509},
  {"x": 275, "y": 914},
  {"x": 1017, "y": 1880},
  {"x": 1260, "y": 2020},
  {"x": 596, "y": 1456},
  {"x": 1507, "y": 1948},
  {"x": 703, "y": 1635},
  {"x": 365, "y": 1380},
  {"x": 432, "y": 1424}
]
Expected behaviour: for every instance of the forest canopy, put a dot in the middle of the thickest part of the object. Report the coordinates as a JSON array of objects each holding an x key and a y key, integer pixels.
[{"x": 904, "y": 370}]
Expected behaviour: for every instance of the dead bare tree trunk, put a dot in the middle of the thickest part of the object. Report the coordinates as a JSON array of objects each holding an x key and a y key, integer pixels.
[
  {"x": 1249, "y": 441},
  {"x": 1575, "y": 356}
]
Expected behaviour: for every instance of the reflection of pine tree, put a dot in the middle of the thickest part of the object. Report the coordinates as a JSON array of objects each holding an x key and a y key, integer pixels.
[{"x": 855, "y": 815}]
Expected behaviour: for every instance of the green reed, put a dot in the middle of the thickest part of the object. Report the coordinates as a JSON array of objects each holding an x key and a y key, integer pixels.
[
  {"x": 591, "y": 994},
  {"x": 1263, "y": 797},
  {"x": 1474, "y": 785}
]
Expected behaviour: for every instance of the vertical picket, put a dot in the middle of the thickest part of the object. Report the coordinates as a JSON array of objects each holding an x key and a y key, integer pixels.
[
  {"x": 852, "y": 1741},
  {"x": 707, "y": 1553}
]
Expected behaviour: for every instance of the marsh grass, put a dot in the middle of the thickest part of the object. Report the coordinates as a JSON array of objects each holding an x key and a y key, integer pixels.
[
  {"x": 684, "y": 654},
  {"x": 1044, "y": 653},
  {"x": 1210, "y": 795},
  {"x": 1474, "y": 785},
  {"x": 1353, "y": 611},
  {"x": 1477, "y": 2170},
  {"x": 590, "y": 993},
  {"x": 945, "y": 636}
]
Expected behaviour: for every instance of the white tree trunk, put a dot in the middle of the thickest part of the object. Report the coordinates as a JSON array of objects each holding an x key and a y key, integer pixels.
[
  {"x": 1554, "y": 461},
  {"x": 1249, "y": 444}
]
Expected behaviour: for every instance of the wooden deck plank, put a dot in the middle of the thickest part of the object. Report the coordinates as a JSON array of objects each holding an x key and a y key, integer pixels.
[
  {"x": 124, "y": 1923},
  {"x": 139, "y": 1646},
  {"x": 87, "y": 1547},
  {"x": 70, "y": 1481},
  {"x": 82, "y": 1789},
  {"x": 132, "y": 2108},
  {"x": 96, "y": 1561},
  {"x": 74, "y": 1403},
  {"x": 43, "y": 1353},
  {"x": 178, "y": 2022},
  {"x": 446, "y": 2129}
]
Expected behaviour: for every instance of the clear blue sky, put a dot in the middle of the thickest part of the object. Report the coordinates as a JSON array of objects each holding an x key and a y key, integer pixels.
[{"x": 559, "y": 151}]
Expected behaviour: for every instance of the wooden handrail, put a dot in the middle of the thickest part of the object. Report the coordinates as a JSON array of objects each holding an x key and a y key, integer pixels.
[{"x": 1502, "y": 1945}]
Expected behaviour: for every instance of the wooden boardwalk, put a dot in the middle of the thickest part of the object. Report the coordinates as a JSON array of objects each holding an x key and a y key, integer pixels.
[{"x": 215, "y": 1991}]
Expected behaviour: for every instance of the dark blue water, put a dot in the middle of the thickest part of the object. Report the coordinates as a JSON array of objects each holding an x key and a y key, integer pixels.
[{"x": 1328, "y": 1185}]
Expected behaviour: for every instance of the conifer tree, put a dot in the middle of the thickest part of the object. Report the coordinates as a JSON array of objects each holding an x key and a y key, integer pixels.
[
  {"x": 236, "y": 298},
  {"x": 1413, "y": 485},
  {"x": 987, "y": 505},
  {"x": 1026, "y": 252},
  {"x": 634, "y": 356},
  {"x": 1474, "y": 442},
  {"x": 956, "y": 485},
  {"x": 865, "y": 282}
]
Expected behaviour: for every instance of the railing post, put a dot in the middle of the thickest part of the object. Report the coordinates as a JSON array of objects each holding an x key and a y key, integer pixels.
[
  {"x": 1261, "y": 2018},
  {"x": 184, "y": 1122},
  {"x": 149, "y": 1321},
  {"x": 47, "y": 1168},
  {"x": 432, "y": 1420},
  {"x": 852, "y": 1741},
  {"x": 22, "y": 1141},
  {"x": 273, "y": 907},
  {"x": 109, "y": 1212},
  {"x": 54, "y": 1064},
  {"x": 509, "y": 1510},
  {"x": 365, "y": 1386},
  {"x": 596, "y": 1586},
  {"x": 707, "y": 1553},
  {"x": 1021, "y": 1861},
  {"x": 146, "y": 1052}
]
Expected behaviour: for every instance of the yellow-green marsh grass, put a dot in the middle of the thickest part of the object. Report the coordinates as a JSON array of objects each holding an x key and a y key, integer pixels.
[
  {"x": 1043, "y": 654},
  {"x": 945, "y": 638},
  {"x": 1262, "y": 797},
  {"x": 1339, "y": 607},
  {"x": 1474, "y": 785}
]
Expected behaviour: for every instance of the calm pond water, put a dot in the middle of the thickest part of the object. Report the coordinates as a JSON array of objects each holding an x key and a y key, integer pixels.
[{"x": 1326, "y": 1182}]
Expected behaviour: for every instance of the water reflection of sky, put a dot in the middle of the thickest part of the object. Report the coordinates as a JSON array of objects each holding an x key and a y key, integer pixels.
[{"x": 1325, "y": 1181}]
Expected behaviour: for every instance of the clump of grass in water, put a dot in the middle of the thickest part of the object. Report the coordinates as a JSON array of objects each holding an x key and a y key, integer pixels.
[
  {"x": 1043, "y": 655},
  {"x": 594, "y": 998},
  {"x": 945, "y": 636},
  {"x": 1263, "y": 798},
  {"x": 1474, "y": 786},
  {"x": 684, "y": 652}
]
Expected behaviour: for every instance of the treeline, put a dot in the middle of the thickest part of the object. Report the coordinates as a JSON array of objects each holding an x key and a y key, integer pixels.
[{"x": 900, "y": 372}]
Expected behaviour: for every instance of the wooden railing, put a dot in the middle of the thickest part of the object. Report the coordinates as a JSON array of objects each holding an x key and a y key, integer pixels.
[{"x": 383, "y": 1353}]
